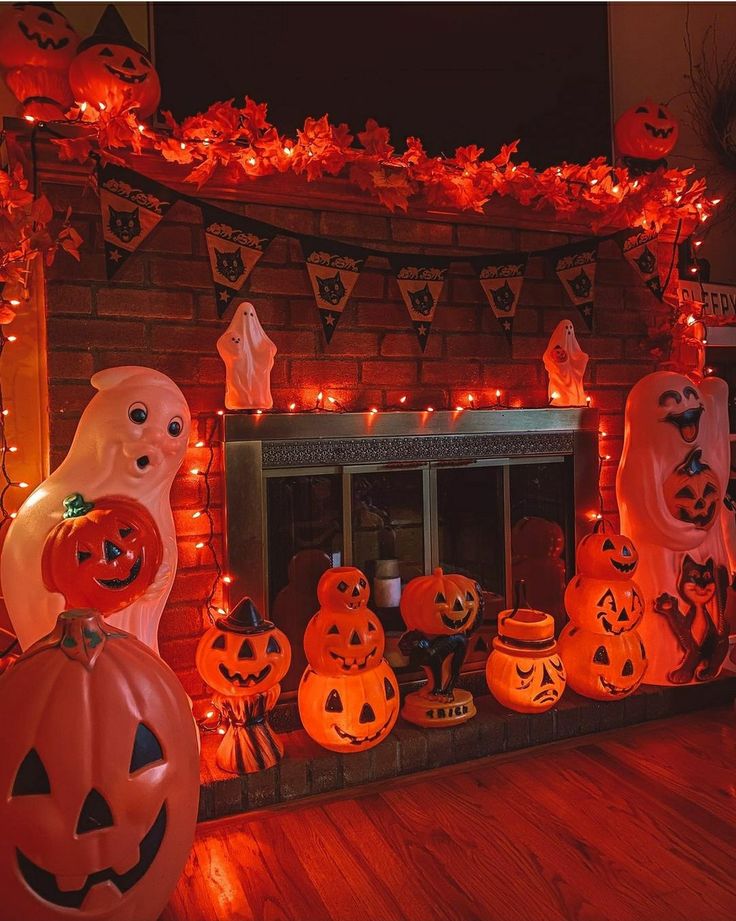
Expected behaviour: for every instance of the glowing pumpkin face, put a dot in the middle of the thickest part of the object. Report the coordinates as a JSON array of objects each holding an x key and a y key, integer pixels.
[
  {"x": 103, "y": 554},
  {"x": 602, "y": 667},
  {"x": 239, "y": 664},
  {"x": 646, "y": 132},
  {"x": 692, "y": 492},
  {"x": 441, "y": 604},
  {"x": 606, "y": 556},
  {"x": 343, "y": 589},
  {"x": 114, "y": 74},
  {"x": 35, "y": 36},
  {"x": 603, "y": 605},
  {"x": 99, "y": 777},
  {"x": 349, "y": 714},
  {"x": 338, "y": 643}
]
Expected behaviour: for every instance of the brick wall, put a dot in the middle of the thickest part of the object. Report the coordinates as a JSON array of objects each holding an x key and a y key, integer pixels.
[{"x": 160, "y": 312}]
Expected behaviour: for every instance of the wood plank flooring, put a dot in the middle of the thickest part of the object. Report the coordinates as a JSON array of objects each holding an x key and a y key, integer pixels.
[{"x": 634, "y": 825}]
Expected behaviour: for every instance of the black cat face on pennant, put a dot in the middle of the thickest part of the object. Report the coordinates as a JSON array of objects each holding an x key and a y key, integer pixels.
[
  {"x": 229, "y": 264},
  {"x": 503, "y": 297},
  {"x": 422, "y": 301},
  {"x": 331, "y": 290},
  {"x": 125, "y": 225},
  {"x": 645, "y": 262},
  {"x": 581, "y": 284}
]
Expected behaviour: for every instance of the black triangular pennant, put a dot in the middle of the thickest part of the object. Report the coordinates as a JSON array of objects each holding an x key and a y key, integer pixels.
[{"x": 333, "y": 270}]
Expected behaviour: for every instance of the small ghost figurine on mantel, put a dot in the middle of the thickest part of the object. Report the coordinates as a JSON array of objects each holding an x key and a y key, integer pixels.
[
  {"x": 248, "y": 355},
  {"x": 565, "y": 362}
]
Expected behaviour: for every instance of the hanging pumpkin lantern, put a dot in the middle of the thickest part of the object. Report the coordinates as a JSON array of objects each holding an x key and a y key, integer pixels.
[
  {"x": 604, "y": 667},
  {"x": 242, "y": 654},
  {"x": 605, "y": 555},
  {"x": 524, "y": 671},
  {"x": 692, "y": 492},
  {"x": 441, "y": 604},
  {"x": 113, "y": 69},
  {"x": 102, "y": 554},
  {"x": 646, "y": 132},
  {"x": 37, "y": 45},
  {"x": 603, "y": 605},
  {"x": 349, "y": 713},
  {"x": 99, "y": 777}
]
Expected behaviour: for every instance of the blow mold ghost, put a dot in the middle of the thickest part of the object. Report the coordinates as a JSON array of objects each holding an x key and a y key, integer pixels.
[
  {"x": 565, "y": 363},
  {"x": 670, "y": 488},
  {"x": 100, "y": 529},
  {"x": 248, "y": 355}
]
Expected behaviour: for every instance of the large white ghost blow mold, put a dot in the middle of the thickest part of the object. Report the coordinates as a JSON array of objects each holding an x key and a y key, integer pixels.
[
  {"x": 565, "y": 363},
  {"x": 129, "y": 444},
  {"x": 248, "y": 355}
]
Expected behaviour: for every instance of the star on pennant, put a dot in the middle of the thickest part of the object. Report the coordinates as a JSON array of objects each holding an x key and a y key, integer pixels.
[
  {"x": 587, "y": 309},
  {"x": 224, "y": 296},
  {"x": 506, "y": 324},
  {"x": 115, "y": 255},
  {"x": 422, "y": 330},
  {"x": 330, "y": 319}
]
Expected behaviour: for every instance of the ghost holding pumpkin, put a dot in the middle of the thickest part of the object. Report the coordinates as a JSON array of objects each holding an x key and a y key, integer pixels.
[
  {"x": 565, "y": 363},
  {"x": 248, "y": 355},
  {"x": 99, "y": 530}
]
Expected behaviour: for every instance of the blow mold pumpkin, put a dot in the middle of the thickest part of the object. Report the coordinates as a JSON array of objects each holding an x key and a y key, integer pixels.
[
  {"x": 604, "y": 667},
  {"x": 646, "y": 131},
  {"x": 99, "y": 777},
  {"x": 524, "y": 670},
  {"x": 112, "y": 68},
  {"x": 349, "y": 713},
  {"x": 693, "y": 493},
  {"x": 102, "y": 554},
  {"x": 605, "y": 555},
  {"x": 441, "y": 604},
  {"x": 610, "y": 606},
  {"x": 343, "y": 589}
]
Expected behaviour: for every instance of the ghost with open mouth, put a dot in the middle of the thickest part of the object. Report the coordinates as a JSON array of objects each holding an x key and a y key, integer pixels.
[{"x": 129, "y": 444}]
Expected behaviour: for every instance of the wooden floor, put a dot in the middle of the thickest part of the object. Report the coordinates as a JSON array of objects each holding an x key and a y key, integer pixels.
[{"x": 636, "y": 825}]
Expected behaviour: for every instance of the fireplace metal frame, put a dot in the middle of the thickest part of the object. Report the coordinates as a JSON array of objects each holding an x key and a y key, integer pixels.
[{"x": 259, "y": 446}]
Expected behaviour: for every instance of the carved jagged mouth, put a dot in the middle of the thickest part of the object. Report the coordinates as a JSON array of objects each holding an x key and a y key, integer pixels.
[
  {"x": 700, "y": 521},
  {"x": 623, "y": 567},
  {"x": 456, "y": 624},
  {"x": 614, "y": 689},
  {"x": 688, "y": 422},
  {"x": 658, "y": 132},
  {"x": 361, "y": 740},
  {"x": 246, "y": 681},
  {"x": 126, "y": 78},
  {"x": 117, "y": 584},
  {"x": 43, "y": 43},
  {"x": 348, "y": 664},
  {"x": 44, "y": 883},
  {"x": 608, "y": 627}
]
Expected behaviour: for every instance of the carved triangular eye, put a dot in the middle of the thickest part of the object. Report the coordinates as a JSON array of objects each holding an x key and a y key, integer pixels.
[
  {"x": 601, "y": 656},
  {"x": 642, "y": 110},
  {"x": 366, "y": 714},
  {"x": 469, "y": 596},
  {"x": 625, "y": 551},
  {"x": 389, "y": 689},
  {"x": 146, "y": 749},
  {"x": 219, "y": 642},
  {"x": 83, "y": 555},
  {"x": 607, "y": 544},
  {"x": 273, "y": 645},
  {"x": 439, "y": 598},
  {"x": 333, "y": 704},
  {"x": 371, "y": 627},
  {"x": 661, "y": 114},
  {"x": 333, "y": 629},
  {"x": 125, "y": 531},
  {"x": 628, "y": 668},
  {"x": 31, "y": 778}
]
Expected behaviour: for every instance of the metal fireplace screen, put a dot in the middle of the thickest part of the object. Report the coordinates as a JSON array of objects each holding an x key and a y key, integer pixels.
[{"x": 495, "y": 495}]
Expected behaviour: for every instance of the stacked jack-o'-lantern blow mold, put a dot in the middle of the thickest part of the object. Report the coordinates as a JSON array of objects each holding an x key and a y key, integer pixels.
[
  {"x": 348, "y": 695},
  {"x": 601, "y": 647},
  {"x": 524, "y": 670}
]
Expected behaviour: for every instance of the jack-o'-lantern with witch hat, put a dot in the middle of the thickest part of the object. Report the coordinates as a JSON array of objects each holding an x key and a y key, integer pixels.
[
  {"x": 113, "y": 69},
  {"x": 243, "y": 657},
  {"x": 37, "y": 44}
]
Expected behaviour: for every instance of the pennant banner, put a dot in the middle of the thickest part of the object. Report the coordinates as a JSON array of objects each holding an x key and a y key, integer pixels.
[
  {"x": 639, "y": 247},
  {"x": 333, "y": 270},
  {"x": 501, "y": 277},
  {"x": 132, "y": 206},
  {"x": 575, "y": 267},
  {"x": 234, "y": 246},
  {"x": 420, "y": 280}
]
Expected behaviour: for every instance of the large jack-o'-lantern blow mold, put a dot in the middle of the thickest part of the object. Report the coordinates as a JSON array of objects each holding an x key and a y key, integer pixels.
[
  {"x": 99, "y": 778},
  {"x": 37, "y": 45},
  {"x": 565, "y": 363},
  {"x": 645, "y": 134},
  {"x": 670, "y": 488},
  {"x": 248, "y": 355},
  {"x": 113, "y": 69},
  {"x": 129, "y": 444}
]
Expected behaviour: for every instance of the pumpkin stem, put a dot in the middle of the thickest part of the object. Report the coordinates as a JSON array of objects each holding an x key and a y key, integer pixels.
[
  {"x": 519, "y": 596},
  {"x": 75, "y": 506},
  {"x": 599, "y": 526}
]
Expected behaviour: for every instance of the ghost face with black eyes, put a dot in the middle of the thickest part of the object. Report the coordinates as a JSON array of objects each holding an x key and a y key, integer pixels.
[{"x": 682, "y": 409}]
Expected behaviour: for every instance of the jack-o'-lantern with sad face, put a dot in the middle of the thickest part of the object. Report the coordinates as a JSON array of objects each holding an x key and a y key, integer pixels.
[
  {"x": 524, "y": 671},
  {"x": 344, "y": 636},
  {"x": 610, "y": 606},
  {"x": 604, "y": 667},
  {"x": 99, "y": 778},
  {"x": 103, "y": 554},
  {"x": 111, "y": 68},
  {"x": 349, "y": 713},
  {"x": 243, "y": 654},
  {"x": 441, "y": 604}
]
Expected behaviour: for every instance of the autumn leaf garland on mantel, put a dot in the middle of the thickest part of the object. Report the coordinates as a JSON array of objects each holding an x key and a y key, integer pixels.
[{"x": 240, "y": 143}]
